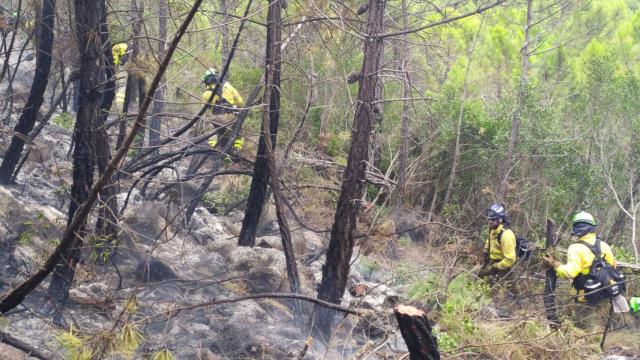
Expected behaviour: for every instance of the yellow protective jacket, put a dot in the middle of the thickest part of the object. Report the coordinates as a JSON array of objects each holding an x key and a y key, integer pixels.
[
  {"x": 118, "y": 51},
  {"x": 580, "y": 257},
  {"x": 229, "y": 94},
  {"x": 502, "y": 251}
]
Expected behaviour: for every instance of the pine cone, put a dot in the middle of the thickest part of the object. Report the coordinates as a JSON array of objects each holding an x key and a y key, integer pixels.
[{"x": 353, "y": 77}]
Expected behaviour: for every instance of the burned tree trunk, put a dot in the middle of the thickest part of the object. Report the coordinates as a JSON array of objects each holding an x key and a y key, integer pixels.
[
  {"x": 106, "y": 225},
  {"x": 36, "y": 96},
  {"x": 133, "y": 86},
  {"x": 272, "y": 111},
  {"x": 260, "y": 181},
  {"x": 336, "y": 269},
  {"x": 416, "y": 332},
  {"x": 88, "y": 15}
]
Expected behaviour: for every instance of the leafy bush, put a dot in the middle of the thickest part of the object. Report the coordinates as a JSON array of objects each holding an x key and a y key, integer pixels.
[{"x": 64, "y": 120}]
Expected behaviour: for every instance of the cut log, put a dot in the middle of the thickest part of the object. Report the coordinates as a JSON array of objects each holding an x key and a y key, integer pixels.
[{"x": 416, "y": 331}]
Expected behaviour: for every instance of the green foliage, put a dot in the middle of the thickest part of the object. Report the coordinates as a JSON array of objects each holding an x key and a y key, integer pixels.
[
  {"x": 64, "y": 120},
  {"x": 31, "y": 227},
  {"x": 233, "y": 193},
  {"x": 425, "y": 287},
  {"x": 446, "y": 342},
  {"x": 101, "y": 248}
]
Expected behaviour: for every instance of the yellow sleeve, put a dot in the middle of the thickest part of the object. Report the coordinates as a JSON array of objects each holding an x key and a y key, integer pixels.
[
  {"x": 116, "y": 55},
  {"x": 233, "y": 94},
  {"x": 206, "y": 95},
  {"x": 574, "y": 262},
  {"x": 486, "y": 245},
  {"x": 508, "y": 247}
]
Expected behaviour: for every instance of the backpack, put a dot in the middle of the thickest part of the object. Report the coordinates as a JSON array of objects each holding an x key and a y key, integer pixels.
[
  {"x": 523, "y": 247},
  {"x": 603, "y": 281}
]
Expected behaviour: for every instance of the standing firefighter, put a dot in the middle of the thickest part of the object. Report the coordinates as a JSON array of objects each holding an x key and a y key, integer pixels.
[
  {"x": 500, "y": 247},
  {"x": 223, "y": 104},
  {"x": 590, "y": 263}
]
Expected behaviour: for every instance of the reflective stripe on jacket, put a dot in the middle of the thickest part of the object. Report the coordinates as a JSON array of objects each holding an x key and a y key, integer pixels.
[
  {"x": 580, "y": 257},
  {"x": 503, "y": 251}
]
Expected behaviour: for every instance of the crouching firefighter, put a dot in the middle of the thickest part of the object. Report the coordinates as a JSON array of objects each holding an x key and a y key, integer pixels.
[
  {"x": 500, "y": 247},
  {"x": 590, "y": 263},
  {"x": 223, "y": 105}
]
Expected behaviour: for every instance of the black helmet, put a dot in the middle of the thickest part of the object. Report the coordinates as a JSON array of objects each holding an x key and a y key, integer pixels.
[
  {"x": 496, "y": 211},
  {"x": 210, "y": 77}
]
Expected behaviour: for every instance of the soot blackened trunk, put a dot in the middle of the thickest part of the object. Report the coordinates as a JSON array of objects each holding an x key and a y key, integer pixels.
[
  {"x": 416, "y": 332},
  {"x": 88, "y": 14},
  {"x": 36, "y": 96},
  {"x": 107, "y": 223},
  {"x": 260, "y": 181},
  {"x": 336, "y": 268}
]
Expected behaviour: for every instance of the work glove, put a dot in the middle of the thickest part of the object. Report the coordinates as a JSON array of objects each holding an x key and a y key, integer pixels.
[
  {"x": 550, "y": 261},
  {"x": 486, "y": 270}
]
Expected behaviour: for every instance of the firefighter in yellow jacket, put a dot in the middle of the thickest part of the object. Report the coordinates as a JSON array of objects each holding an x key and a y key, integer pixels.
[
  {"x": 228, "y": 103},
  {"x": 500, "y": 247},
  {"x": 579, "y": 256},
  {"x": 120, "y": 54}
]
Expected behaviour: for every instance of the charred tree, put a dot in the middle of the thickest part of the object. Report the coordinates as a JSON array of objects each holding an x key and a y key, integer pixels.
[
  {"x": 36, "y": 96},
  {"x": 335, "y": 271},
  {"x": 133, "y": 81},
  {"x": 88, "y": 15},
  {"x": 416, "y": 332},
  {"x": 271, "y": 111},
  {"x": 106, "y": 225},
  {"x": 260, "y": 180}
]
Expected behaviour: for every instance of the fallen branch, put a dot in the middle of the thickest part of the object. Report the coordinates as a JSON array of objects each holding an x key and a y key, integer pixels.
[{"x": 22, "y": 346}]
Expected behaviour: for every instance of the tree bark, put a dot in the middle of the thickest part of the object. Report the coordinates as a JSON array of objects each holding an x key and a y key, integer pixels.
[
  {"x": 503, "y": 185},
  {"x": 272, "y": 111},
  {"x": 336, "y": 268},
  {"x": 259, "y": 183},
  {"x": 159, "y": 96},
  {"x": 107, "y": 223},
  {"x": 133, "y": 83},
  {"x": 88, "y": 15},
  {"x": 36, "y": 96},
  {"x": 416, "y": 331},
  {"x": 463, "y": 99},
  {"x": 404, "y": 144}
]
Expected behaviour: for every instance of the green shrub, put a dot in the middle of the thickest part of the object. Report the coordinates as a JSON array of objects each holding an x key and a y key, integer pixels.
[{"x": 64, "y": 120}]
